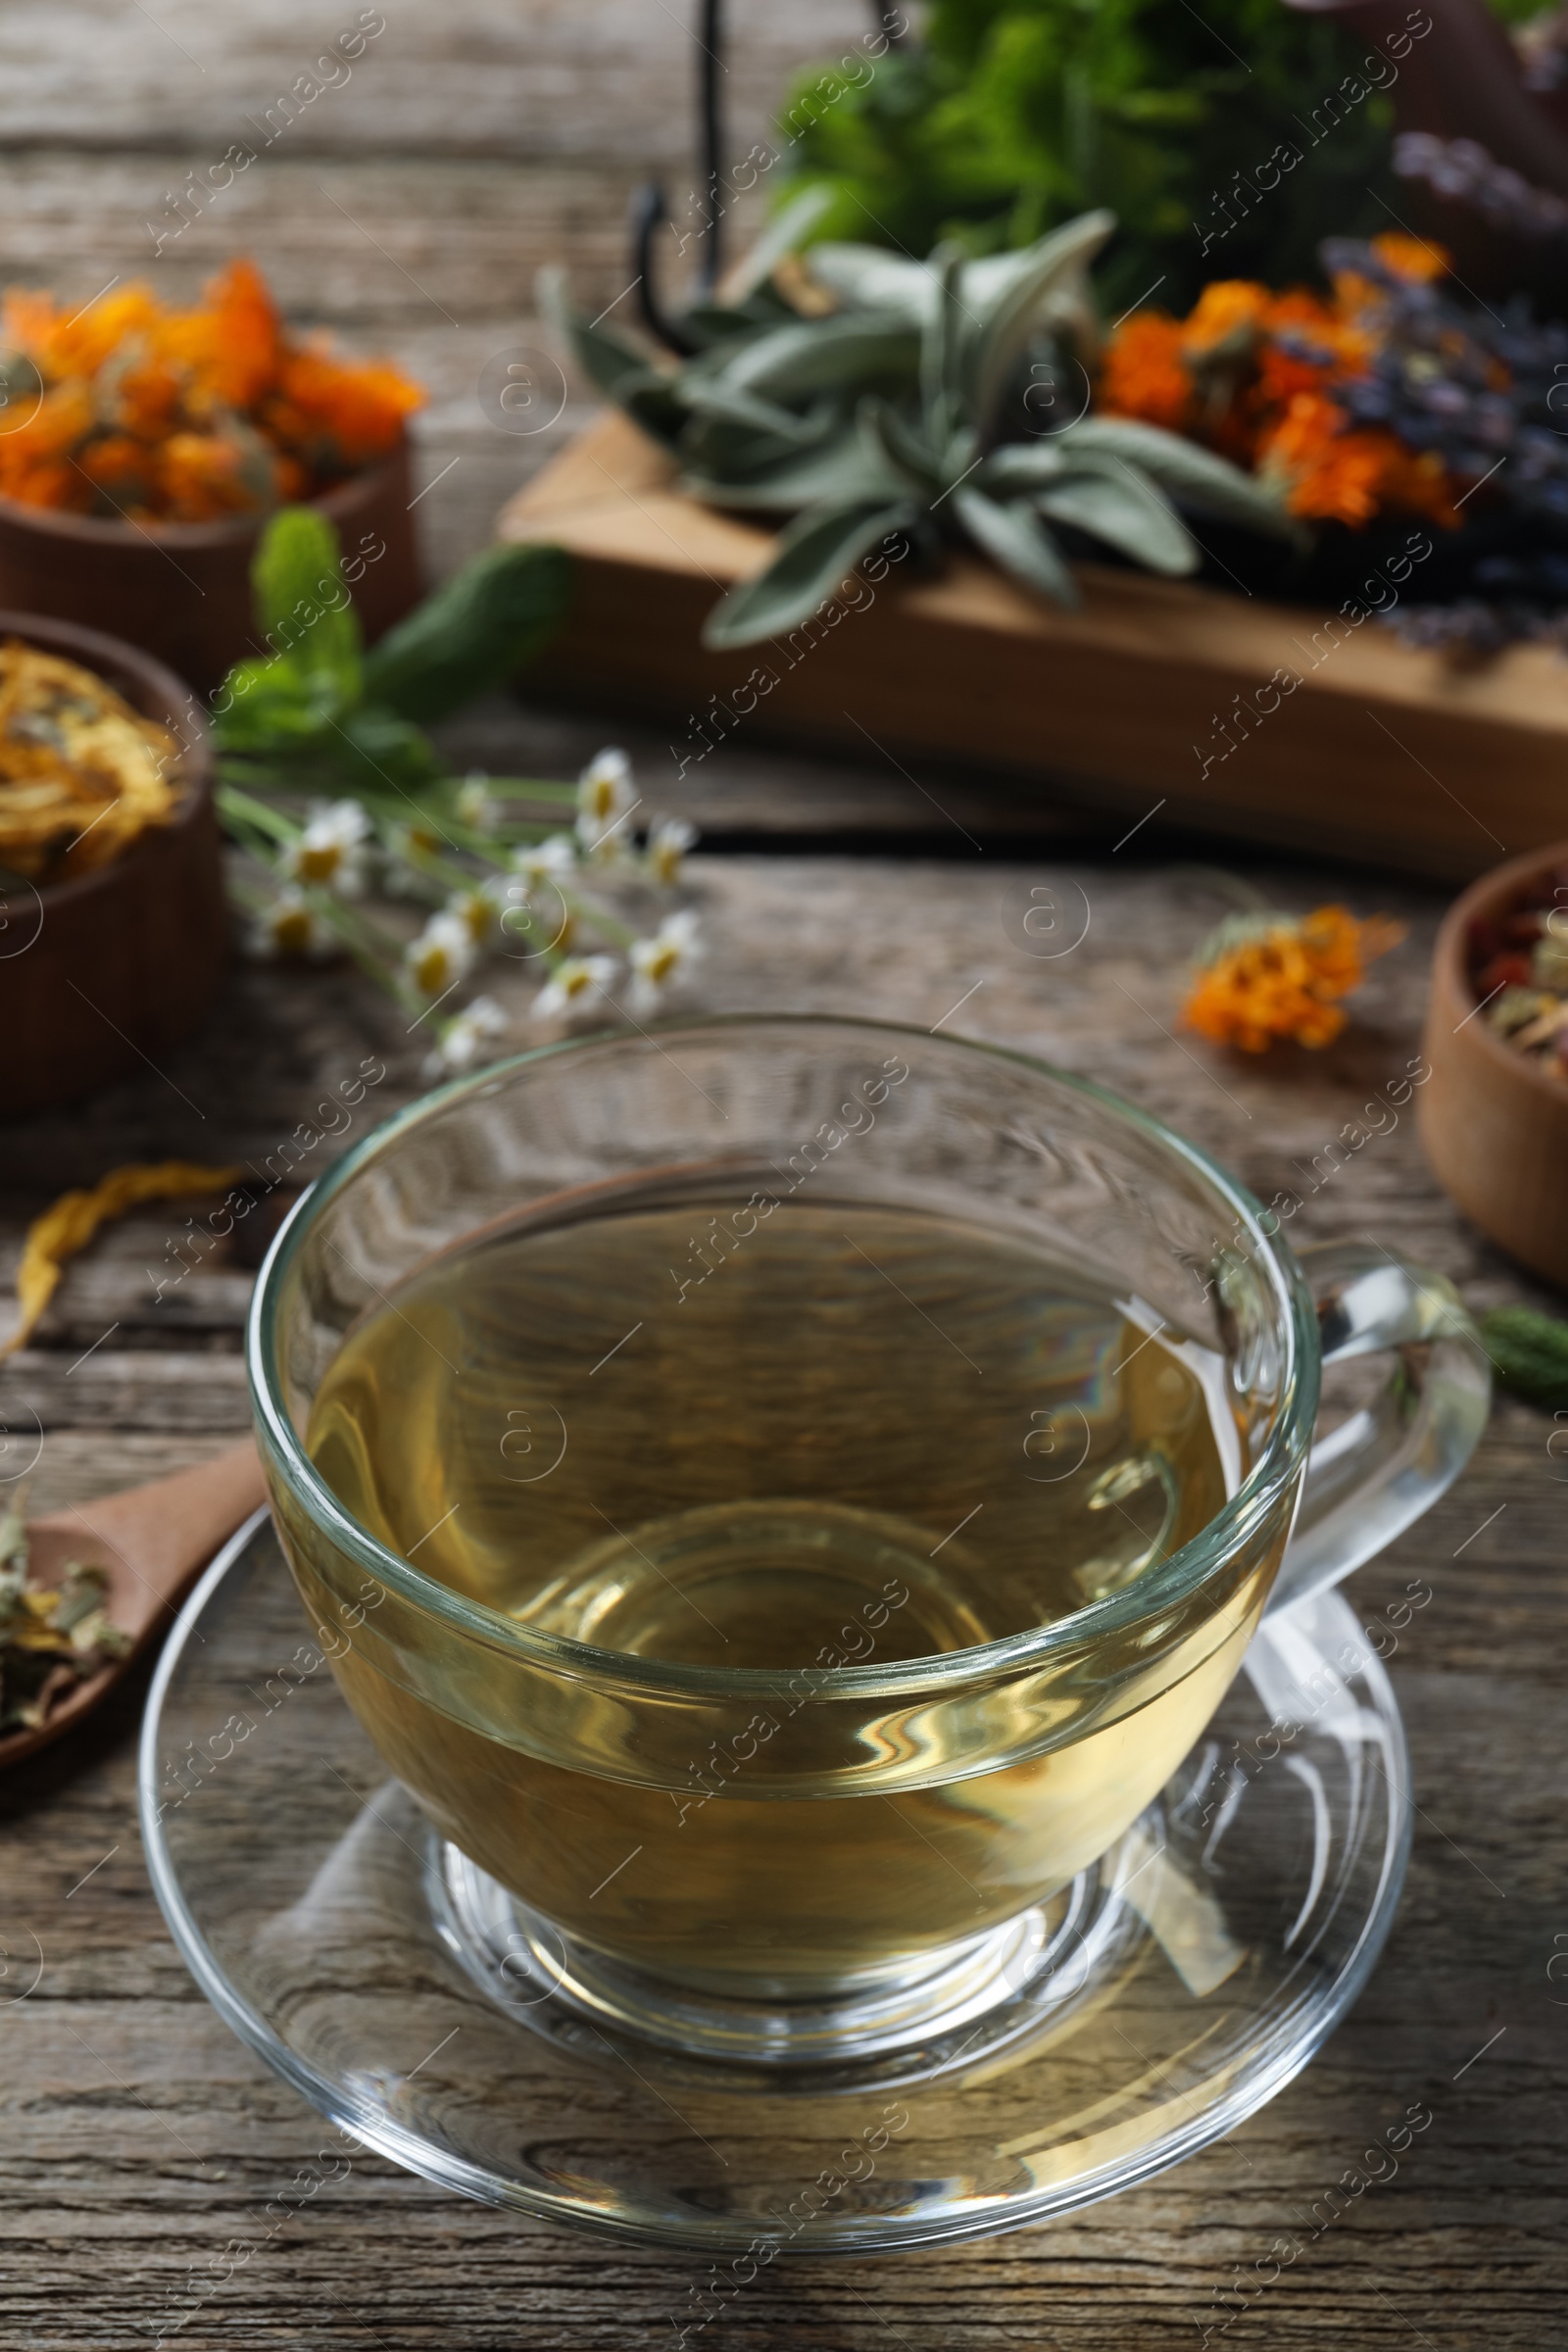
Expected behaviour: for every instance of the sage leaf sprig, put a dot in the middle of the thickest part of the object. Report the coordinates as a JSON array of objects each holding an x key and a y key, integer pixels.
[{"x": 901, "y": 415}]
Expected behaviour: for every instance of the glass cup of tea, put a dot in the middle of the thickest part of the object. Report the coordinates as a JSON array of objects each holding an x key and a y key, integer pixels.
[{"x": 785, "y": 1494}]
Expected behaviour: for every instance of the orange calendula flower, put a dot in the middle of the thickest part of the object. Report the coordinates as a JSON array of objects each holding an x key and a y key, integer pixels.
[
  {"x": 322, "y": 403},
  {"x": 1254, "y": 374},
  {"x": 1266, "y": 976},
  {"x": 120, "y": 466},
  {"x": 182, "y": 416},
  {"x": 1349, "y": 477},
  {"x": 1231, "y": 311},
  {"x": 1145, "y": 374},
  {"x": 248, "y": 340},
  {"x": 202, "y": 475},
  {"x": 1415, "y": 257}
]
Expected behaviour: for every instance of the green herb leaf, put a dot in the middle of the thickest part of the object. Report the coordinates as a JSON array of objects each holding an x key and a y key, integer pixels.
[
  {"x": 652, "y": 402},
  {"x": 870, "y": 278},
  {"x": 1008, "y": 116},
  {"x": 867, "y": 277},
  {"x": 605, "y": 358},
  {"x": 814, "y": 559},
  {"x": 1014, "y": 536},
  {"x": 264, "y": 707},
  {"x": 1021, "y": 466},
  {"x": 900, "y": 455},
  {"x": 732, "y": 404},
  {"x": 385, "y": 757},
  {"x": 841, "y": 475},
  {"x": 731, "y": 456},
  {"x": 1528, "y": 1354},
  {"x": 710, "y": 323},
  {"x": 943, "y": 345},
  {"x": 851, "y": 353},
  {"x": 1053, "y": 291},
  {"x": 1128, "y": 512},
  {"x": 788, "y": 229},
  {"x": 303, "y": 608},
  {"x": 1200, "y": 480},
  {"x": 473, "y": 634}
]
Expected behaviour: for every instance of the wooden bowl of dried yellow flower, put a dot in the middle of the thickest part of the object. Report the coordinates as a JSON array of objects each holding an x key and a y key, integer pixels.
[
  {"x": 103, "y": 973},
  {"x": 1493, "y": 1121}
]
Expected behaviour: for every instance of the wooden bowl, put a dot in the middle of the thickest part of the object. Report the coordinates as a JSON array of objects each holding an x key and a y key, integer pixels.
[
  {"x": 1494, "y": 1125},
  {"x": 102, "y": 975},
  {"x": 181, "y": 591}
]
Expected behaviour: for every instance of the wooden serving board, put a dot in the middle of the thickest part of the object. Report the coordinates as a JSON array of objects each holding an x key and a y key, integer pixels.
[{"x": 1156, "y": 693}]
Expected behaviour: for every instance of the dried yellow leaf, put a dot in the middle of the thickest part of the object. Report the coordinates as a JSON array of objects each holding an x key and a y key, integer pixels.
[{"x": 69, "y": 1225}]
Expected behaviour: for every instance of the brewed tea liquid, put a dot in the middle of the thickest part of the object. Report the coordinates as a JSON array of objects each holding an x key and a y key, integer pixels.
[
  {"x": 851, "y": 1397},
  {"x": 859, "y": 1436}
]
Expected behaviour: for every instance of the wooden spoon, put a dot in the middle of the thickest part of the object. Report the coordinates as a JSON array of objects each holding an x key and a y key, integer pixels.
[{"x": 153, "y": 1542}]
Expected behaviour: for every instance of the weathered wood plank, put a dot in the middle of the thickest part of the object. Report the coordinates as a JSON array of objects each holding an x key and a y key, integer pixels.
[
  {"x": 746, "y": 789},
  {"x": 108, "y": 1294},
  {"x": 75, "y": 1464},
  {"x": 441, "y": 240},
  {"x": 473, "y": 76},
  {"x": 122, "y": 1388}
]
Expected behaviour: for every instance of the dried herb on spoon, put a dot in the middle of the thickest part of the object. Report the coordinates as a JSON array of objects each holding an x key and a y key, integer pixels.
[{"x": 52, "y": 1637}]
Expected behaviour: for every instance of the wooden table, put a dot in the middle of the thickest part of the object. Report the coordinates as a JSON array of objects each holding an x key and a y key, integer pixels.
[{"x": 140, "y": 2137}]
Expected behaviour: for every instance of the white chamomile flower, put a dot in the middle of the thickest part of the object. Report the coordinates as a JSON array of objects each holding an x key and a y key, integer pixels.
[
  {"x": 477, "y": 807},
  {"x": 481, "y": 910},
  {"x": 441, "y": 955},
  {"x": 543, "y": 865},
  {"x": 464, "y": 1039},
  {"x": 604, "y": 796},
  {"x": 331, "y": 852},
  {"x": 290, "y": 929},
  {"x": 667, "y": 845},
  {"x": 658, "y": 963},
  {"x": 574, "y": 986}
]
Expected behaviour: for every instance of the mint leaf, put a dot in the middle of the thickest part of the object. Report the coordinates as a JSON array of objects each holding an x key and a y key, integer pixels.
[
  {"x": 382, "y": 753},
  {"x": 473, "y": 634},
  {"x": 263, "y": 707},
  {"x": 303, "y": 608}
]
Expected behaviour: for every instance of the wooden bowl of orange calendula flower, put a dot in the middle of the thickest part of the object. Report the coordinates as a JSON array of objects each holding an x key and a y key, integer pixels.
[{"x": 143, "y": 448}]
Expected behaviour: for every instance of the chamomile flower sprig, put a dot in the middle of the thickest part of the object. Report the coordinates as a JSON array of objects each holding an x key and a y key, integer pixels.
[
  {"x": 300, "y": 918},
  {"x": 519, "y": 892},
  {"x": 349, "y": 819}
]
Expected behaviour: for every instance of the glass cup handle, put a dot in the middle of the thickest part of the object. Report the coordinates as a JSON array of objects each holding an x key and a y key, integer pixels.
[{"x": 1375, "y": 1474}]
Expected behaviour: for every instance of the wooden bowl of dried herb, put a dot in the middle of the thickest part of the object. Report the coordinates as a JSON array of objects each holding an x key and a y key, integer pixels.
[
  {"x": 112, "y": 927},
  {"x": 1493, "y": 1114}
]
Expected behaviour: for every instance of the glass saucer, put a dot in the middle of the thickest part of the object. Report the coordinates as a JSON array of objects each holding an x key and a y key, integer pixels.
[{"x": 1168, "y": 1994}]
